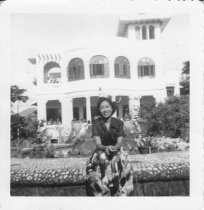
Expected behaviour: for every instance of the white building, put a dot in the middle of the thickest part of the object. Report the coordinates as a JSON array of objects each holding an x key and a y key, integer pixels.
[{"x": 126, "y": 67}]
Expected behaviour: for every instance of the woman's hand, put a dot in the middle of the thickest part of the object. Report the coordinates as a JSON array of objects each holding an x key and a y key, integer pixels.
[{"x": 110, "y": 149}]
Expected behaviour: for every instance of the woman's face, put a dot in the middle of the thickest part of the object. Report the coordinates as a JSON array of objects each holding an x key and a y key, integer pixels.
[{"x": 105, "y": 109}]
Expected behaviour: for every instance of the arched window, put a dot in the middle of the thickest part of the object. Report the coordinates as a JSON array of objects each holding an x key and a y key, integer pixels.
[
  {"x": 137, "y": 32},
  {"x": 99, "y": 67},
  {"x": 75, "y": 69},
  {"x": 52, "y": 72},
  {"x": 144, "y": 32},
  {"x": 122, "y": 67},
  {"x": 151, "y": 32},
  {"x": 146, "y": 67}
]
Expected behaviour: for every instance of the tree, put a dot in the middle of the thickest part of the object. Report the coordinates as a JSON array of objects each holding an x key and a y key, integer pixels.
[
  {"x": 17, "y": 122},
  {"x": 17, "y": 94},
  {"x": 185, "y": 78},
  {"x": 170, "y": 119}
]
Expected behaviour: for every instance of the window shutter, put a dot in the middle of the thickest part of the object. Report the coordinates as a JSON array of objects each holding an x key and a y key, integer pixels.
[
  {"x": 102, "y": 69},
  {"x": 142, "y": 71},
  {"x": 146, "y": 71},
  {"x": 77, "y": 71},
  {"x": 94, "y": 69},
  {"x": 121, "y": 70},
  {"x": 124, "y": 70},
  {"x": 137, "y": 32},
  {"x": 152, "y": 70},
  {"x": 71, "y": 73},
  {"x": 82, "y": 71},
  {"x": 151, "y": 32},
  {"x": 144, "y": 32},
  {"x": 115, "y": 69}
]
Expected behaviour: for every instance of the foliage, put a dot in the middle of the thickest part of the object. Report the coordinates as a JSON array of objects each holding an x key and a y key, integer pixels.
[
  {"x": 32, "y": 125},
  {"x": 169, "y": 144},
  {"x": 146, "y": 141},
  {"x": 170, "y": 119},
  {"x": 17, "y": 124},
  {"x": 16, "y": 94},
  {"x": 185, "y": 79},
  {"x": 163, "y": 143},
  {"x": 26, "y": 126}
]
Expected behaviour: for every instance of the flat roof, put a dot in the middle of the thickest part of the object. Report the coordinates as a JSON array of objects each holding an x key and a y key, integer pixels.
[{"x": 139, "y": 19}]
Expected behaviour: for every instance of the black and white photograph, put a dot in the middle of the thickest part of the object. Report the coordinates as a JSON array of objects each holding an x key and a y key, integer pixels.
[{"x": 101, "y": 103}]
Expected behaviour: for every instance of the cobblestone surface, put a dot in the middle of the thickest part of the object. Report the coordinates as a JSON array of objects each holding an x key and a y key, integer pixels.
[{"x": 60, "y": 171}]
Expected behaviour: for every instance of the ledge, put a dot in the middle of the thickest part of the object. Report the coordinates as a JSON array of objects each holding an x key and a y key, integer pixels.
[{"x": 71, "y": 171}]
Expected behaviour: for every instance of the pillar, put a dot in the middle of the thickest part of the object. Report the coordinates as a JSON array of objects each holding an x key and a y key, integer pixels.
[
  {"x": 81, "y": 112},
  {"x": 134, "y": 105},
  {"x": 111, "y": 60},
  {"x": 114, "y": 99},
  {"x": 86, "y": 69},
  {"x": 88, "y": 108},
  {"x": 157, "y": 32},
  {"x": 120, "y": 110},
  {"x": 41, "y": 106},
  {"x": 64, "y": 67},
  {"x": 67, "y": 111},
  {"x": 130, "y": 106},
  {"x": 131, "y": 32},
  {"x": 160, "y": 96}
]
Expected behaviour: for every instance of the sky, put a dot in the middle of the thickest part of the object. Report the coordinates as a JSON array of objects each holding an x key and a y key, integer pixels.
[{"x": 31, "y": 32}]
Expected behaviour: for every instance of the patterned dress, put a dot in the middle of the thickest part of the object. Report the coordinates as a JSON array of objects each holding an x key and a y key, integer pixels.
[{"x": 109, "y": 175}]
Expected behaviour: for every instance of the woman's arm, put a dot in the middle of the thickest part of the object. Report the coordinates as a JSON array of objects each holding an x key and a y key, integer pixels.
[
  {"x": 119, "y": 142},
  {"x": 106, "y": 149},
  {"x": 97, "y": 141}
]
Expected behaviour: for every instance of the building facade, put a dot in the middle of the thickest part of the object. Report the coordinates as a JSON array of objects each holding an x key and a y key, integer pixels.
[{"x": 127, "y": 68}]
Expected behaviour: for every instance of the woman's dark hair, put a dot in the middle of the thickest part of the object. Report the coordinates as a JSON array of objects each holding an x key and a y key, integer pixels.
[{"x": 100, "y": 100}]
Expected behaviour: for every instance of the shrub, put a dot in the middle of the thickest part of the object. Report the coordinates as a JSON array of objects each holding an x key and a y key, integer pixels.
[
  {"x": 17, "y": 125},
  {"x": 169, "y": 144},
  {"x": 26, "y": 126},
  {"x": 170, "y": 119}
]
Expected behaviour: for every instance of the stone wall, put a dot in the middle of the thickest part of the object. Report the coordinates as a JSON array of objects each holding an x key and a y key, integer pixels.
[{"x": 158, "y": 174}]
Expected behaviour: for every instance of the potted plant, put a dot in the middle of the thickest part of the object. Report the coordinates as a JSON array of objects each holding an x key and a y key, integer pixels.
[{"x": 147, "y": 145}]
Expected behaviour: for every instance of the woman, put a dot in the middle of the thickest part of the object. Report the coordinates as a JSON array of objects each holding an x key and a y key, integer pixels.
[{"x": 108, "y": 171}]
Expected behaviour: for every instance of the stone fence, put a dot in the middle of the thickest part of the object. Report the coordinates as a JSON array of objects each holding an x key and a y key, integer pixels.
[{"x": 158, "y": 174}]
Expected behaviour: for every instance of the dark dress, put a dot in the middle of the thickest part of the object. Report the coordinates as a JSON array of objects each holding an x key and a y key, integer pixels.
[{"x": 109, "y": 175}]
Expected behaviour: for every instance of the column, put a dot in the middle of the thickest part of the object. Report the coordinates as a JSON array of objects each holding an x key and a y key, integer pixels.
[
  {"x": 131, "y": 32},
  {"x": 114, "y": 99},
  {"x": 160, "y": 96},
  {"x": 64, "y": 67},
  {"x": 120, "y": 111},
  {"x": 67, "y": 111},
  {"x": 88, "y": 108},
  {"x": 157, "y": 32},
  {"x": 130, "y": 106},
  {"x": 133, "y": 68},
  {"x": 134, "y": 105},
  {"x": 111, "y": 60},
  {"x": 41, "y": 106},
  {"x": 86, "y": 69},
  {"x": 81, "y": 113}
]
